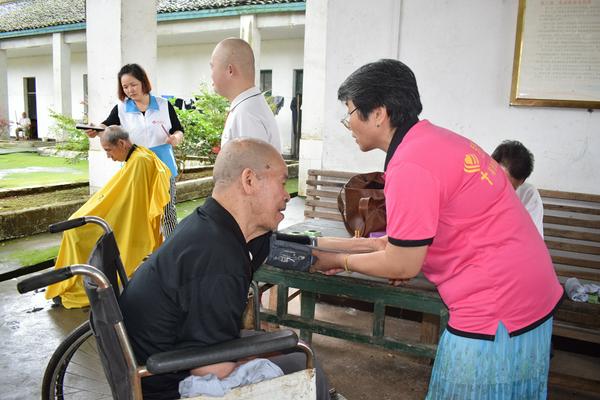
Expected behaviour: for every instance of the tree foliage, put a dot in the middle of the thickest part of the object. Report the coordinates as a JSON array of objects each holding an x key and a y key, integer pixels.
[
  {"x": 64, "y": 128},
  {"x": 203, "y": 127}
]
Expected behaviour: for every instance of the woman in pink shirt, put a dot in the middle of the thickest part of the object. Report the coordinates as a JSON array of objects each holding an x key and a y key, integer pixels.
[{"x": 453, "y": 215}]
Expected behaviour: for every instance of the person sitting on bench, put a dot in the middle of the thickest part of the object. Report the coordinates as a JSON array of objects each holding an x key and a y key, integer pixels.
[
  {"x": 193, "y": 290},
  {"x": 517, "y": 161},
  {"x": 131, "y": 202}
]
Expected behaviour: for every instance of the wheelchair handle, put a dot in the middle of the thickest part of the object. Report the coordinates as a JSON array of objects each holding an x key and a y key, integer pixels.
[
  {"x": 58, "y": 275},
  {"x": 45, "y": 279},
  {"x": 76, "y": 222}
]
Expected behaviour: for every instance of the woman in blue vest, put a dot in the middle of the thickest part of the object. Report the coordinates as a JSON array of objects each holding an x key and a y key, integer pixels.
[{"x": 151, "y": 122}]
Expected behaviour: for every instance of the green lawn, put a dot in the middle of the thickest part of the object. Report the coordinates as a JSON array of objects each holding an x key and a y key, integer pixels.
[
  {"x": 32, "y": 257},
  {"x": 30, "y": 169},
  {"x": 185, "y": 208}
]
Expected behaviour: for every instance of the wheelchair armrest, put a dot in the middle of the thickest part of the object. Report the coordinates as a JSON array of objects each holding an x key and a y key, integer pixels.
[{"x": 185, "y": 359}]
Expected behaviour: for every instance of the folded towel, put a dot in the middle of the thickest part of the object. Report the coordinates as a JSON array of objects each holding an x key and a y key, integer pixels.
[
  {"x": 575, "y": 290},
  {"x": 591, "y": 288},
  {"x": 254, "y": 371}
]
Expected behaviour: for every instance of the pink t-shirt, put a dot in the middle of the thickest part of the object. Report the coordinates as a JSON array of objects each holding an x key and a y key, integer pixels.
[{"x": 487, "y": 259}]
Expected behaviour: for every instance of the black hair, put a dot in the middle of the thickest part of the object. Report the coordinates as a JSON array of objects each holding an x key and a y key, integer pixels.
[
  {"x": 515, "y": 157},
  {"x": 389, "y": 83},
  {"x": 138, "y": 73}
]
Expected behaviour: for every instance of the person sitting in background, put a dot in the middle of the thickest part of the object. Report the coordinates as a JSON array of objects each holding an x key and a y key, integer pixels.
[
  {"x": 517, "y": 161},
  {"x": 23, "y": 125},
  {"x": 132, "y": 203}
]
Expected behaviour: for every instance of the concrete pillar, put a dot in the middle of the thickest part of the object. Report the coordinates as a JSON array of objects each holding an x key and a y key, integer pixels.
[
  {"x": 339, "y": 37},
  {"x": 251, "y": 34},
  {"x": 4, "y": 134},
  {"x": 118, "y": 32},
  {"x": 61, "y": 69}
]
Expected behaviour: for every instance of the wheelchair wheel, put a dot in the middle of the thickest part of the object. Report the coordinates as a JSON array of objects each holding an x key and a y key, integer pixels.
[{"x": 74, "y": 370}]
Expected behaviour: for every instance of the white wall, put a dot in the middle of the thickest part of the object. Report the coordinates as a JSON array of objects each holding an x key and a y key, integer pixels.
[
  {"x": 180, "y": 72},
  {"x": 464, "y": 68},
  {"x": 183, "y": 69},
  {"x": 461, "y": 52},
  {"x": 340, "y": 36},
  {"x": 40, "y": 68},
  {"x": 78, "y": 69},
  {"x": 283, "y": 57}
]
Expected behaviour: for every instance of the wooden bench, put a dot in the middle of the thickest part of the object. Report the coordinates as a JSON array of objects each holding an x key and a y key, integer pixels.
[
  {"x": 419, "y": 296},
  {"x": 572, "y": 235},
  {"x": 572, "y": 230}
]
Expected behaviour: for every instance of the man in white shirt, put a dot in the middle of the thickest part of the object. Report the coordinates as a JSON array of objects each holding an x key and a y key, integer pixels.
[
  {"x": 23, "y": 126},
  {"x": 517, "y": 161},
  {"x": 233, "y": 73}
]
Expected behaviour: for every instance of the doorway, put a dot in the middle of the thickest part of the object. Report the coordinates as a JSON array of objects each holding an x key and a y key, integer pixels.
[
  {"x": 296, "y": 107},
  {"x": 31, "y": 105}
]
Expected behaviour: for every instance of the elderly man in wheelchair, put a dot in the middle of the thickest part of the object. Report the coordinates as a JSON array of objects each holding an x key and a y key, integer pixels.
[{"x": 182, "y": 309}]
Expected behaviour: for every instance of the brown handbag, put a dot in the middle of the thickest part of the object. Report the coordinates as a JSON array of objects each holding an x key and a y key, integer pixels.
[{"x": 362, "y": 204}]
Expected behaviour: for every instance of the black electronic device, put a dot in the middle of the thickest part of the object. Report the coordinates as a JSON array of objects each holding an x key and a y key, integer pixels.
[
  {"x": 290, "y": 252},
  {"x": 88, "y": 127}
]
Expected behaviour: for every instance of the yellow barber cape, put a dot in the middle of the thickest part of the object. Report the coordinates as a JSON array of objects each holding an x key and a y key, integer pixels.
[{"x": 132, "y": 203}]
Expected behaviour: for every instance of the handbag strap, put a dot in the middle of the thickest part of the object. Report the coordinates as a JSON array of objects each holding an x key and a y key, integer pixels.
[
  {"x": 363, "y": 208},
  {"x": 342, "y": 208}
]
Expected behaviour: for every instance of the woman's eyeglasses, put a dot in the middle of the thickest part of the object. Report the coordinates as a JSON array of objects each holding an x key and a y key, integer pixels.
[{"x": 346, "y": 120}]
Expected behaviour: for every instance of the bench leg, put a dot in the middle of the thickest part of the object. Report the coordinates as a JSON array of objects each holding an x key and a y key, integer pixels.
[
  {"x": 430, "y": 328},
  {"x": 307, "y": 312}
]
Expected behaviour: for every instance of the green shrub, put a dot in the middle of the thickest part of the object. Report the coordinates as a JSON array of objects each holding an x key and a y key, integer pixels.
[
  {"x": 4, "y": 127},
  {"x": 64, "y": 127},
  {"x": 203, "y": 127}
]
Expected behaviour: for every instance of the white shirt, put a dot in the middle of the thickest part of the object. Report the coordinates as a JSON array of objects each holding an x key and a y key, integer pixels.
[
  {"x": 24, "y": 122},
  {"x": 250, "y": 116},
  {"x": 532, "y": 201},
  {"x": 149, "y": 129}
]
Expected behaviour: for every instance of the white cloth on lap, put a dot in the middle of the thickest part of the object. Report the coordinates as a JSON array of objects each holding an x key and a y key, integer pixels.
[{"x": 254, "y": 371}]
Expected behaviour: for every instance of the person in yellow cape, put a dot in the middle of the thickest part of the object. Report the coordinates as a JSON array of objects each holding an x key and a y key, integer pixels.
[{"x": 132, "y": 203}]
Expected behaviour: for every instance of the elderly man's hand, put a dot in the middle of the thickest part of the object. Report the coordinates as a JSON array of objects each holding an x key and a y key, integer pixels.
[{"x": 327, "y": 262}]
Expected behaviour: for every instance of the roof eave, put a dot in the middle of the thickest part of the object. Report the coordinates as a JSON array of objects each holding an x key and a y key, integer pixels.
[{"x": 174, "y": 16}]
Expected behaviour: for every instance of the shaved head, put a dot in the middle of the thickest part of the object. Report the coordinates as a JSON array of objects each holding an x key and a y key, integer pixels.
[
  {"x": 250, "y": 176},
  {"x": 238, "y": 53},
  {"x": 240, "y": 154}
]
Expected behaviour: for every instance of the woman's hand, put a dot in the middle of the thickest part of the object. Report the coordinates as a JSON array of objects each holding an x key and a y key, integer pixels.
[
  {"x": 92, "y": 133},
  {"x": 175, "y": 138},
  {"x": 380, "y": 243},
  {"x": 327, "y": 262}
]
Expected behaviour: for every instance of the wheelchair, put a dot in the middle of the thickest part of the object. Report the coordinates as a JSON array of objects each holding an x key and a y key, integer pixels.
[{"x": 96, "y": 360}]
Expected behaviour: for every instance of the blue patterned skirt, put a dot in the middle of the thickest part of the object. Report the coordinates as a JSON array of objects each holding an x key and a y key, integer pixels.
[{"x": 506, "y": 368}]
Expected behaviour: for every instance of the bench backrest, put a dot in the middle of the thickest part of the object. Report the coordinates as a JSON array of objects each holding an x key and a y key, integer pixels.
[
  {"x": 571, "y": 222},
  {"x": 572, "y": 233},
  {"x": 322, "y": 190}
]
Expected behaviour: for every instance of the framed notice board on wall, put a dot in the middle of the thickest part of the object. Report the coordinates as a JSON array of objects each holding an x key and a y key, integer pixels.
[{"x": 557, "y": 54}]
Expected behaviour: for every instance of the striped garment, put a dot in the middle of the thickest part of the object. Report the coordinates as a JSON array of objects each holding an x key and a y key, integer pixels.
[
  {"x": 506, "y": 368},
  {"x": 170, "y": 213}
]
